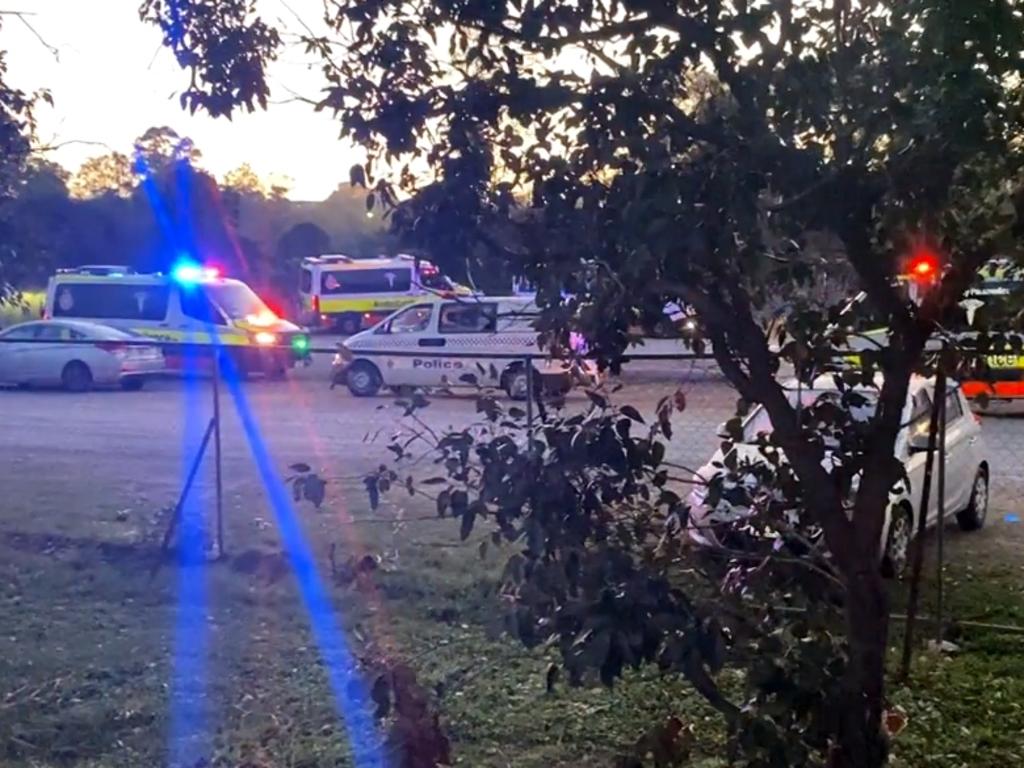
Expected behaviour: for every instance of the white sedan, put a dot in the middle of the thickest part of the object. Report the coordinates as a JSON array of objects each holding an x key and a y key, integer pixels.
[
  {"x": 75, "y": 355},
  {"x": 967, "y": 468}
]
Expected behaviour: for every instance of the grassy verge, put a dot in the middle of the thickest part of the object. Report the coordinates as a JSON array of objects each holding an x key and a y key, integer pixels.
[
  {"x": 87, "y": 649},
  {"x": 967, "y": 708}
]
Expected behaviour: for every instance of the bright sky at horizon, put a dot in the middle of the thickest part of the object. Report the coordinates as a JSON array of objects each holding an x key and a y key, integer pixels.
[{"x": 113, "y": 80}]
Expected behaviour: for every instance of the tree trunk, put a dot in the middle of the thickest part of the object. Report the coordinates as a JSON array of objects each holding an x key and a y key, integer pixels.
[{"x": 861, "y": 742}]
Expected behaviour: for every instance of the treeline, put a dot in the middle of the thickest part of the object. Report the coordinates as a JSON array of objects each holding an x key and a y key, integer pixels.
[{"x": 146, "y": 208}]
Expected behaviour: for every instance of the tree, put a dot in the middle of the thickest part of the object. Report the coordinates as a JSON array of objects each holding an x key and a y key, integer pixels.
[
  {"x": 881, "y": 124},
  {"x": 113, "y": 173},
  {"x": 17, "y": 127},
  {"x": 245, "y": 180},
  {"x": 302, "y": 240},
  {"x": 161, "y": 147}
]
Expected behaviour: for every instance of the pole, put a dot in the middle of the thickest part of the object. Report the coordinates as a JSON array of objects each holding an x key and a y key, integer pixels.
[
  {"x": 216, "y": 454},
  {"x": 917, "y": 553},
  {"x": 529, "y": 403},
  {"x": 176, "y": 515},
  {"x": 941, "y": 524}
]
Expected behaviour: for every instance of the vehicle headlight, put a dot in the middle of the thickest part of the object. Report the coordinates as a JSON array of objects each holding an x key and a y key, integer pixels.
[{"x": 266, "y": 338}]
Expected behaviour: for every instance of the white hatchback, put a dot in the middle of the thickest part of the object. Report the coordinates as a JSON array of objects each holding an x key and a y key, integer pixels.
[
  {"x": 76, "y": 355},
  {"x": 967, "y": 468}
]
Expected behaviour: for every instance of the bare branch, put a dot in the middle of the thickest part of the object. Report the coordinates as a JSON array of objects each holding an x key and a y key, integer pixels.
[{"x": 22, "y": 16}]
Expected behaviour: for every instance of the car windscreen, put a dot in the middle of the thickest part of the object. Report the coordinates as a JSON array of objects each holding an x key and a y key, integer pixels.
[
  {"x": 759, "y": 422},
  {"x": 236, "y": 300}
]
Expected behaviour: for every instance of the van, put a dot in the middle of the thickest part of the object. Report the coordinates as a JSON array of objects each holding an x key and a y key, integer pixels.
[
  {"x": 348, "y": 294},
  {"x": 451, "y": 342},
  {"x": 192, "y": 304}
]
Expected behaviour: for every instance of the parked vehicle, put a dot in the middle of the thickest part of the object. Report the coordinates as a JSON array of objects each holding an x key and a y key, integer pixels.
[
  {"x": 455, "y": 342},
  {"x": 967, "y": 468},
  {"x": 348, "y": 294},
  {"x": 75, "y": 355},
  {"x": 191, "y": 304}
]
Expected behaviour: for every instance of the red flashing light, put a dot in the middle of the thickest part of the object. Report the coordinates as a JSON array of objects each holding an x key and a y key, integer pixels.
[{"x": 923, "y": 265}]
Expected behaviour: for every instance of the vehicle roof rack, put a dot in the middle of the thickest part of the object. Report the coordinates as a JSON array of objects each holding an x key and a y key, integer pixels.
[{"x": 109, "y": 270}]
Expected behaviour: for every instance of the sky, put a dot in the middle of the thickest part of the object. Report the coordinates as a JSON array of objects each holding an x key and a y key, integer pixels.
[{"x": 112, "y": 79}]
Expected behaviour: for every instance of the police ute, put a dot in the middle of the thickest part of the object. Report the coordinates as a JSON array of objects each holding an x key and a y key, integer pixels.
[
  {"x": 456, "y": 341},
  {"x": 193, "y": 304}
]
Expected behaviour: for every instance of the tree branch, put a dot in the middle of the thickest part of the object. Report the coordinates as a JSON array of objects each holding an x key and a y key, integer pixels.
[{"x": 22, "y": 16}]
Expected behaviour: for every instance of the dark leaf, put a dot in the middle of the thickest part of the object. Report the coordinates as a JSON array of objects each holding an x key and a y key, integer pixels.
[
  {"x": 381, "y": 695},
  {"x": 554, "y": 671},
  {"x": 632, "y": 413}
]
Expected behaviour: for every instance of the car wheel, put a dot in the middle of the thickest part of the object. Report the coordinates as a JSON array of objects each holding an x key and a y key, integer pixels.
[
  {"x": 896, "y": 558},
  {"x": 517, "y": 383},
  {"x": 76, "y": 377},
  {"x": 134, "y": 384},
  {"x": 350, "y": 324},
  {"x": 973, "y": 517},
  {"x": 363, "y": 379}
]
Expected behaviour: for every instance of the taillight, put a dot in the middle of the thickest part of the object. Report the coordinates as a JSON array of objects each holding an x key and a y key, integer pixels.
[{"x": 316, "y": 305}]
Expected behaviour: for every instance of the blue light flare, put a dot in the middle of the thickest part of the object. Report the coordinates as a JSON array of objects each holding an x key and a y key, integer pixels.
[{"x": 350, "y": 694}]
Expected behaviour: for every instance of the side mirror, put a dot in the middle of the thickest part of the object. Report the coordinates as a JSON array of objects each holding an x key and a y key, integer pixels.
[{"x": 722, "y": 431}]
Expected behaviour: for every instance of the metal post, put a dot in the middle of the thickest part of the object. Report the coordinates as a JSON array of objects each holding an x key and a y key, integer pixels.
[
  {"x": 176, "y": 514},
  {"x": 529, "y": 403},
  {"x": 941, "y": 525},
  {"x": 216, "y": 454}
]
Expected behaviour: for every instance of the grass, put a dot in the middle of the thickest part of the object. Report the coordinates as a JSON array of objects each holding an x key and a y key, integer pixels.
[
  {"x": 967, "y": 708},
  {"x": 86, "y": 644}
]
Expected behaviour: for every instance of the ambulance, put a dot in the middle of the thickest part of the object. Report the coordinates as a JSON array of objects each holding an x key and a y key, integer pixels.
[
  {"x": 349, "y": 294},
  {"x": 190, "y": 304},
  {"x": 992, "y": 303},
  {"x": 457, "y": 342}
]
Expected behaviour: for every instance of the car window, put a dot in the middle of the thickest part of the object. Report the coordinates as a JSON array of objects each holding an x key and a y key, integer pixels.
[
  {"x": 412, "y": 320},
  {"x": 954, "y": 410},
  {"x": 20, "y": 332},
  {"x": 306, "y": 281},
  {"x": 111, "y": 300},
  {"x": 197, "y": 305},
  {"x": 467, "y": 317},
  {"x": 376, "y": 280},
  {"x": 56, "y": 332},
  {"x": 920, "y": 413}
]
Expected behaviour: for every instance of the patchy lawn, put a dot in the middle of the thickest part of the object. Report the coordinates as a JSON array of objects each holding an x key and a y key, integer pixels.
[
  {"x": 87, "y": 638},
  {"x": 967, "y": 708}
]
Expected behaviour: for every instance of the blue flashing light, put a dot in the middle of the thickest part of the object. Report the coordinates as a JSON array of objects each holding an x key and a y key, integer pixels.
[{"x": 188, "y": 272}]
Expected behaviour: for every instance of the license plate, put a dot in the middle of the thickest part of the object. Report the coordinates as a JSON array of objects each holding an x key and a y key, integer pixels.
[{"x": 1005, "y": 361}]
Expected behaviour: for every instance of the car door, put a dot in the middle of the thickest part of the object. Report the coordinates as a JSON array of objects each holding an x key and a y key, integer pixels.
[
  {"x": 463, "y": 327},
  {"x": 413, "y": 365},
  {"x": 917, "y": 433},
  {"x": 52, "y": 353},
  {"x": 961, "y": 434},
  {"x": 15, "y": 357}
]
